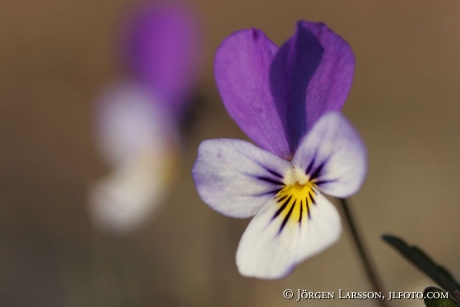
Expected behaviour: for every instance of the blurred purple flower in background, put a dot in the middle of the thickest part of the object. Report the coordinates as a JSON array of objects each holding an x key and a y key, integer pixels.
[
  {"x": 137, "y": 120},
  {"x": 287, "y": 101},
  {"x": 160, "y": 47}
]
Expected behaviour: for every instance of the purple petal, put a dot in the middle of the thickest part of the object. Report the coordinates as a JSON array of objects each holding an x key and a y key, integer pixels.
[
  {"x": 333, "y": 155},
  {"x": 241, "y": 67},
  {"x": 237, "y": 178},
  {"x": 329, "y": 86},
  {"x": 290, "y": 74},
  {"x": 160, "y": 46}
]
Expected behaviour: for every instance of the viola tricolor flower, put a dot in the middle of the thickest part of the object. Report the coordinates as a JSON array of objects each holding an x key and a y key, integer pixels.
[
  {"x": 137, "y": 119},
  {"x": 287, "y": 100}
]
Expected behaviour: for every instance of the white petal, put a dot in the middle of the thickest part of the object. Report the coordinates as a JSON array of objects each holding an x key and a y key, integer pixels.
[
  {"x": 237, "y": 178},
  {"x": 128, "y": 120},
  {"x": 122, "y": 201},
  {"x": 267, "y": 252},
  {"x": 334, "y": 155}
]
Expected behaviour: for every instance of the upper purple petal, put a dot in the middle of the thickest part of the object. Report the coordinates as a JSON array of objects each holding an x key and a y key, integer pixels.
[
  {"x": 290, "y": 73},
  {"x": 241, "y": 67},
  {"x": 331, "y": 83},
  {"x": 160, "y": 47}
]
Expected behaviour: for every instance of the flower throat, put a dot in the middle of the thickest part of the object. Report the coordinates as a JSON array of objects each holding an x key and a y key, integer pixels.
[{"x": 295, "y": 198}]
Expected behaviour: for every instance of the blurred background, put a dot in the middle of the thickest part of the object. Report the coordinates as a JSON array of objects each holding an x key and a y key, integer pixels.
[{"x": 57, "y": 56}]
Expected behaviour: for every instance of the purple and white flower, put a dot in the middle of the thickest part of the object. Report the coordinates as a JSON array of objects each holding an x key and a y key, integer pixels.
[
  {"x": 137, "y": 119},
  {"x": 287, "y": 100}
]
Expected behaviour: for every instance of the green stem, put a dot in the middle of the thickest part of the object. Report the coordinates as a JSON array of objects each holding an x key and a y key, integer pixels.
[{"x": 370, "y": 269}]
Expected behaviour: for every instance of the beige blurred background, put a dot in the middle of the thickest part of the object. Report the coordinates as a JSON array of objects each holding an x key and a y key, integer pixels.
[{"x": 56, "y": 55}]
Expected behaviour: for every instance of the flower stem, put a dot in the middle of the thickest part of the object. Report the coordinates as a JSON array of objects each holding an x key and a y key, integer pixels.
[{"x": 366, "y": 260}]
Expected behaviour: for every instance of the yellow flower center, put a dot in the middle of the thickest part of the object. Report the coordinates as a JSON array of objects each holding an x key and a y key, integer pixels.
[{"x": 296, "y": 198}]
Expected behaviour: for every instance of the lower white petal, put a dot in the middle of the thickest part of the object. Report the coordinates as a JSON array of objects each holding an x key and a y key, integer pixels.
[
  {"x": 281, "y": 235},
  {"x": 122, "y": 201}
]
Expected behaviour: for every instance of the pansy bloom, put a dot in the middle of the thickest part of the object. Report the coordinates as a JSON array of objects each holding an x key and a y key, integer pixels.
[
  {"x": 287, "y": 100},
  {"x": 137, "y": 120}
]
